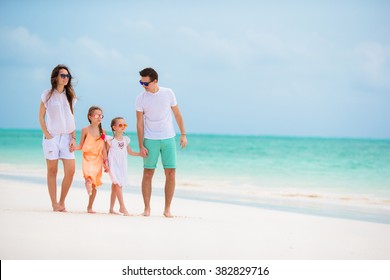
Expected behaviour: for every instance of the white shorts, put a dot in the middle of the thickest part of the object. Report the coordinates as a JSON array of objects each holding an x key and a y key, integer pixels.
[{"x": 57, "y": 147}]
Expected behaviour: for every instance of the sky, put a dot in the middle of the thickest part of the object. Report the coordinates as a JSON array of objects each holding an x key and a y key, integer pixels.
[{"x": 273, "y": 68}]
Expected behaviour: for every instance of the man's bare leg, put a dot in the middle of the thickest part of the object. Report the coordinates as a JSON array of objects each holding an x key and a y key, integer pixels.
[{"x": 170, "y": 182}]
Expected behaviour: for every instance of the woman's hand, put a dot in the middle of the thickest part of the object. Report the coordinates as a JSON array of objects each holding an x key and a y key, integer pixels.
[{"x": 72, "y": 145}]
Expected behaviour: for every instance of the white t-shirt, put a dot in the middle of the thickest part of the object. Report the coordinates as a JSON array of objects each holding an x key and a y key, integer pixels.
[
  {"x": 59, "y": 117},
  {"x": 158, "y": 121}
]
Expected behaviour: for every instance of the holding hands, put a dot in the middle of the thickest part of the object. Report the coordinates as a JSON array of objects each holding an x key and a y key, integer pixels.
[
  {"x": 143, "y": 151},
  {"x": 105, "y": 165},
  {"x": 72, "y": 145}
]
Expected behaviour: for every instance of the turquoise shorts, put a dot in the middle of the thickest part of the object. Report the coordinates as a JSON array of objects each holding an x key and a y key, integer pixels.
[{"x": 167, "y": 148}]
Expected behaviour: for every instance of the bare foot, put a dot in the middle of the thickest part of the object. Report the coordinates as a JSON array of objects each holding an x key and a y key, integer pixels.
[
  {"x": 90, "y": 211},
  {"x": 124, "y": 211},
  {"x": 56, "y": 207},
  {"x": 59, "y": 208},
  {"x": 88, "y": 186},
  {"x": 113, "y": 212},
  {"x": 146, "y": 213},
  {"x": 168, "y": 214}
]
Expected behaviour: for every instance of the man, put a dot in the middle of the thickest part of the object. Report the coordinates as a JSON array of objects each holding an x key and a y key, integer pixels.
[{"x": 156, "y": 135}]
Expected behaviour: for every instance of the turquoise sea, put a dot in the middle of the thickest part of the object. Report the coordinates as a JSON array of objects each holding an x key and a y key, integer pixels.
[{"x": 347, "y": 178}]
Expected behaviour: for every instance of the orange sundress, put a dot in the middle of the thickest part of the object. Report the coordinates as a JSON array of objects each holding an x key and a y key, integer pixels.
[{"x": 93, "y": 159}]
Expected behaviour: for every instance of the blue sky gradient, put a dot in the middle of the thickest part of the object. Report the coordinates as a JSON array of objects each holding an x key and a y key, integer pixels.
[{"x": 291, "y": 68}]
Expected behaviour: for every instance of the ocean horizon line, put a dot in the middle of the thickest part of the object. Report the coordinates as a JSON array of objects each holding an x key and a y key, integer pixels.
[{"x": 268, "y": 136}]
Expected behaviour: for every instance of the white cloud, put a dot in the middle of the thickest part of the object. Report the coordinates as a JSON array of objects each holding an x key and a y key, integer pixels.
[
  {"x": 274, "y": 45},
  {"x": 373, "y": 60},
  {"x": 22, "y": 37},
  {"x": 212, "y": 44},
  {"x": 39, "y": 75},
  {"x": 20, "y": 44},
  {"x": 290, "y": 46},
  {"x": 138, "y": 26},
  {"x": 95, "y": 49}
]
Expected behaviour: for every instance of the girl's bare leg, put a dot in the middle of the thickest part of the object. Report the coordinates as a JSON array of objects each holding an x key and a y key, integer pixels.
[
  {"x": 91, "y": 200},
  {"x": 88, "y": 186},
  {"x": 112, "y": 199},
  {"x": 122, "y": 207}
]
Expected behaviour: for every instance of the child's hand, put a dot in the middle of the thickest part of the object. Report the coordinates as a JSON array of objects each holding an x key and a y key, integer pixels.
[
  {"x": 105, "y": 166},
  {"x": 143, "y": 152}
]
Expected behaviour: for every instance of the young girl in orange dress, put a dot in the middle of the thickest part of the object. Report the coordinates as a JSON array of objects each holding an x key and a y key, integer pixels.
[{"x": 92, "y": 143}]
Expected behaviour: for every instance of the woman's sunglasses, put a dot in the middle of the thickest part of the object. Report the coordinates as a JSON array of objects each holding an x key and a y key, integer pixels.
[{"x": 65, "y": 76}]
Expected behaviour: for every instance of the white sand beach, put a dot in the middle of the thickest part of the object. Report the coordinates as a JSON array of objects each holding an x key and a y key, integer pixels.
[{"x": 201, "y": 231}]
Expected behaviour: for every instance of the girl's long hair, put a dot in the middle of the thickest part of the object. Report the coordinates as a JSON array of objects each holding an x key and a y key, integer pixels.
[
  {"x": 70, "y": 93},
  {"x": 90, "y": 111}
]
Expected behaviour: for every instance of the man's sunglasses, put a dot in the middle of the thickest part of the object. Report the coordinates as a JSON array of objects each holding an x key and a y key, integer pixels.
[{"x": 145, "y": 83}]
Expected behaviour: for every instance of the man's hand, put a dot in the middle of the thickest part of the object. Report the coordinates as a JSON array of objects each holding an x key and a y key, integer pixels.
[
  {"x": 143, "y": 151},
  {"x": 183, "y": 141}
]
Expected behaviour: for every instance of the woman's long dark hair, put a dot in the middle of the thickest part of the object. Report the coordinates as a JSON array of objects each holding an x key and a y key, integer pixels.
[{"x": 70, "y": 93}]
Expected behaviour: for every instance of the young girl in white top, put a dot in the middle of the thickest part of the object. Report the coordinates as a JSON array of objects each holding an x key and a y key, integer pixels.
[{"x": 118, "y": 149}]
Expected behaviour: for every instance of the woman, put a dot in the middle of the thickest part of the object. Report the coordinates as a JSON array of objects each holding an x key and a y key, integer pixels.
[{"x": 58, "y": 126}]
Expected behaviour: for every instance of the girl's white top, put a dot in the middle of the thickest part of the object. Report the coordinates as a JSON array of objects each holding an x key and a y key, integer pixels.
[
  {"x": 59, "y": 117},
  {"x": 117, "y": 160}
]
